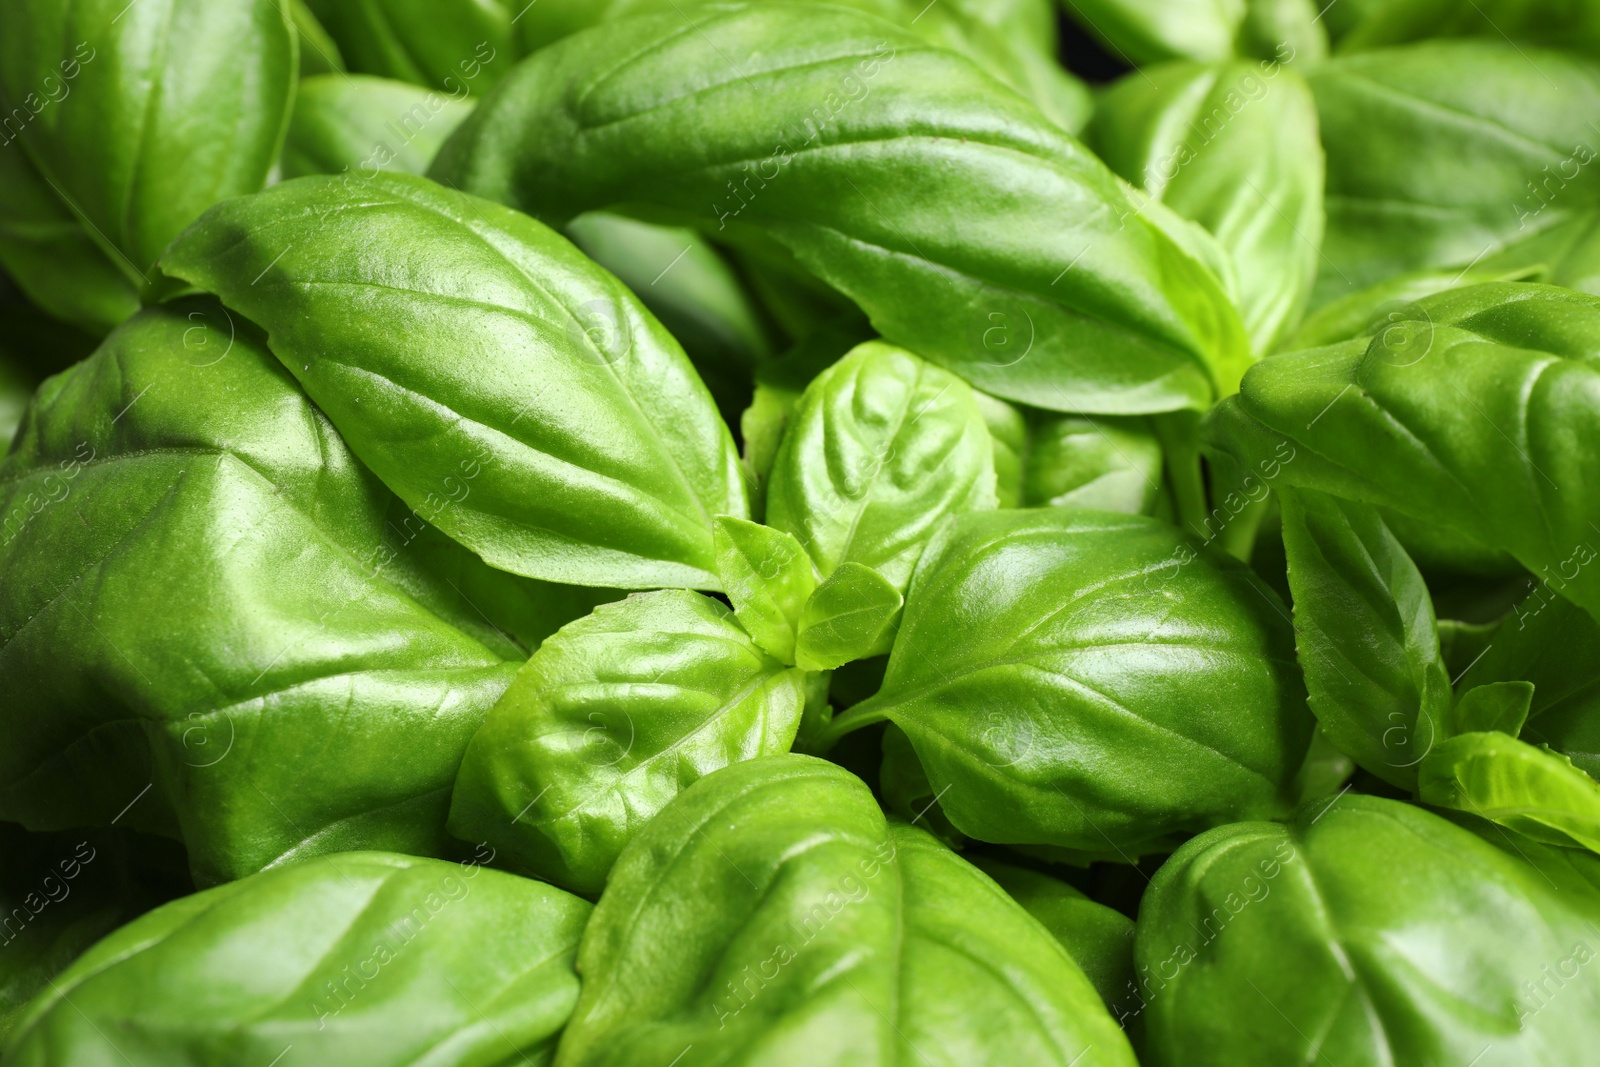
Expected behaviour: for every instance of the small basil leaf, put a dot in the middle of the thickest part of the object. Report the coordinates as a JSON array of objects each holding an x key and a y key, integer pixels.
[
  {"x": 771, "y": 915},
  {"x": 360, "y": 124},
  {"x": 1092, "y": 681},
  {"x": 567, "y": 439},
  {"x": 611, "y": 719},
  {"x": 175, "y": 105},
  {"x": 849, "y": 617},
  {"x": 880, "y": 450},
  {"x": 1360, "y": 970},
  {"x": 1108, "y": 463},
  {"x": 1497, "y": 706},
  {"x": 366, "y": 957},
  {"x": 1057, "y": 290},
  {"x": 457, "y": 46},
  {"x": 1364, "y": 630},
  {"x": 1531, "y": 790},
  {"x": 767, "y": 577}
]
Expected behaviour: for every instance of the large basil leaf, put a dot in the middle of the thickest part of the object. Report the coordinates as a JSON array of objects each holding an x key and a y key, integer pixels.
[
  {"x": 1538, "y": 793},
  {"x": 1366, "y": 931},
  {"x": 143, "y": 115},
  {"x": 1477, "y": 410},
  {"x": 1364, "y": 631},
  {"x": 458, "y": 46},
  {"x": 880, "y": 450},
  {"x": 1141, "y": 32},
  {"x": 1110, "y": 463},
  {"x": 1234, "y": 147},
  {"x": 361, "y": 124},
  {"x": 1554, "y": 644},
  {"x": 367, "y": 958},
  {"x": 771, "y": 916},
  {"x": 611, "y": 719},
  {"x": 60, "y": 893},
  {"x": 566, "y": 437},
  {"x": 1093, "y": 681},
  {"x": 852, "y": 147},
  {"x": 1401, "y": 126},
  {"x": 216, "y": 624}
]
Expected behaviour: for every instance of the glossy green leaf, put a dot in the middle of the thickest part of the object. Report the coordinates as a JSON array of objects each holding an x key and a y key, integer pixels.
[
  {"x": 366, "y": 958},
  {"x": 1107, "y": 463},
  {"x": 780, "y": 124},
  {"x": 851, "y": 616},
  {"x": 1364, "y": 631},
  {"x": 1099, "y": 939},
  {"x": 1500, "y": 706},
  {"x": 880, "y": 450},
  {"x": 1555, "y": 645},
  {"x": 566, "y": 439},
  {"x": 768, "y": 579},
  {"x": 1092, "y": 681},
  {"x": 1233, "y": 147},
  {"x": 1477, "y": 412},
  {"x": 358, "y": 124},
  {"x": 1140, "y": 32},
  {"x": 1548, "y": 23},
  {"x": 143, "y": 115},
  {"x": 457, "y": 46},
  {"x": 1531, "y": 790},
  {"x": 1366, "y": 931},
  {"x": 1402, "y": 127},
  {"x": 611, "y": 719},
  {"x": 226, "y": 629},
  {"x": 771, "y": 916}
]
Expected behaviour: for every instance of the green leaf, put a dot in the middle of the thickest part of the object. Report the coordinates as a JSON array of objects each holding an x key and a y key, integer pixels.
[
  {"x": 229, "y": 631},
  {"x": 851, "y": 616},
  {"x": 362, "y": 125},
  {"x": 566, "y": 439},
  {"x": 1403, "y": 126},
  {"x": 611, "y": 719},
  {"x": 1367, "y": 931},
  {"x": 1140, "y": 32},
  {"x": 768, "y": 579},
  {"x": 880, "y": 450},
  {"x": 367, "y": 958},
  {"x": 1108, "y": 463},
  {"x": 147, "y": 114},
  {"x": 1008, "y": 433},
  {"x": 1232, "y": 146},
  {"x": 1092, "y": 681},
  {"x": 1477, "y": 411},
  {"x": 456, "y": 46},
  {"x": 1549, "y": 23},
  {"x": 1364, "y": 630},
  {"x": 318, "y": 52},
  {"x": 770, "y": 915},
  {"x": 1497, "y": 706},
  {"x": 1055, "y": 290},
  {"x": 1531, "y": 790}
]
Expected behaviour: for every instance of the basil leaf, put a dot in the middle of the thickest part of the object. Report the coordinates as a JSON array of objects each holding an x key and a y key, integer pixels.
[
  {"x": 1473, "y": 412},
  {"x": 1534, "y": 791},
  {"x": 849, "y": 617},
  {"x": 176, "y": 104},
  {"x": 1140, "y": 32},
  {"x": 1108, "y": 463},
  {"x": 611, "y": 719},
  {"x": 771, "y": 915},
  {"x": 1549, "y": 23},
  {"x": 568, "y": 439},
  {"x": 219, "y": 617},
  {"x": 1008, "y": 434},
  {"x": 1500, "y": 112},
  {"x": 768, "y": 579},
  {"x": 1092, "y": 681},
  {"x": 1364, "y": 631},
  {"x": 1501, "y": 706},
  {"x": 880, "y": 450},
  {"x": 361, "y": 124},
  {"x": 1056, "y": 291},
  {"x": 318, "y": 52},
  {"x": 1360, "y": 970},
  {"x": 1233, "y": 147},
  {"x": 368, "y": 957},
  {"x": 458, "y": 46}
]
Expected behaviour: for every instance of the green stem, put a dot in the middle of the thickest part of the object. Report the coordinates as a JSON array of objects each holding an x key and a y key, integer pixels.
[
  {"x": 1238, "y": 538},
  {"x": 1179, "y": 433},
  {"x": 863, "y": 714}
]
